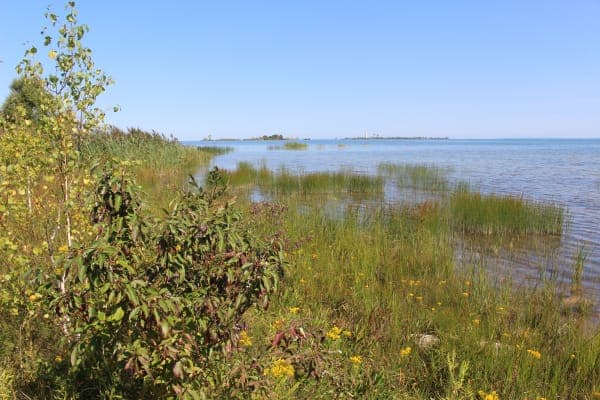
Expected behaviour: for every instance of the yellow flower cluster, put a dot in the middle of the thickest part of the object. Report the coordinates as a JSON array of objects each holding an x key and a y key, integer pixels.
[
  {"x": 356, "y": 360},
  {"x": 534, "y": 354},
  {"x": 279, "y": 324},
  {"x": 334, "y": 333},
  {"x": 281, "y": 368},
  {"x": 245, "y": 339},
  {"x": 405, "y": 352},
  {"x": 488, "y": 396},
  {"x": 294, "y": 310}
]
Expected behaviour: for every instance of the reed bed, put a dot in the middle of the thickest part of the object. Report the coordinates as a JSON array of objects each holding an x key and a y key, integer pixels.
[
  {"x": 289, "y": 146},
  {"x": 161, "y": 165},
  {"x": 156, "y": 159},
  {"x": 284, "y": 181},
  {"x": 416, "y": 176},
  {"x": 295, "y": 146},
  {"x": 474, "y": 213}
]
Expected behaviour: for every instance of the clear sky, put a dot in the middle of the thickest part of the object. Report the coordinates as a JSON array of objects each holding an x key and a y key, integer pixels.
[{"x": 325, "y": 69}]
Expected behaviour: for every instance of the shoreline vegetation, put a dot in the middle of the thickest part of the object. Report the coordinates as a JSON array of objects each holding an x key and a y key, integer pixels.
[{"x": 122, "y": 278}]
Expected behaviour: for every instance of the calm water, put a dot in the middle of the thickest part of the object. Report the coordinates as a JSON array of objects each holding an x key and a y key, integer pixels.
[{"x": 561, "y": 171}]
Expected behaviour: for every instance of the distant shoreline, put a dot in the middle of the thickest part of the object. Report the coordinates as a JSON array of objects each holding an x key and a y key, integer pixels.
[
  {"x": 397, "y": 138},
  {"x": 346, "y": 138}
]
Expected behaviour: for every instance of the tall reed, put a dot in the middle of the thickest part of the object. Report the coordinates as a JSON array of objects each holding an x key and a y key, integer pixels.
[{"x": 479, "y": 214}]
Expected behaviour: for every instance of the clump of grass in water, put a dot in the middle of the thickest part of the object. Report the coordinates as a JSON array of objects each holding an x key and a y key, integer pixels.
[
  {"x": 295, "y": 146},
  {"x": 417, "y": 176},
  {"x": 478, "y": 214},
  {"x": 215, "y": 150},
  {"x": 286, "y": 182},
  {"x": 323, "y": 182}
]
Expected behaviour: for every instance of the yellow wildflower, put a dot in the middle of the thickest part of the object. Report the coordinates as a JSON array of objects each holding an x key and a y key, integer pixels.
[
  {"x": 334, "y": 333},
  {"x": 279, "y": 324},
  {"x": 294, "y": 310},
  {"x": 35, "y": 297},
  {"x": 356, "y": 360},
  {"x": 488, "y": 396},
  {"x": 245, "y": 339},
  {"x": 281, "y": 368},
  {"x": 63, "y": 249},
  {"x": 476, "y": 322},
  {"x": 347, "y": 334},
  {"x": 405, "y": 352},
  {"x": 534, "y": 354}
]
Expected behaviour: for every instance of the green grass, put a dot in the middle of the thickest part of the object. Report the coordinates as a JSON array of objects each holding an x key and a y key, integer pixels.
[
  {"x": 474, "y": 213},
  {"x": 387, "y": 275},
  {"x": 160, "y": 164},
  {"x": 417, "y": 176},
  {"x": 295, "y": 146},
  {"x": 285, "y": 182}
]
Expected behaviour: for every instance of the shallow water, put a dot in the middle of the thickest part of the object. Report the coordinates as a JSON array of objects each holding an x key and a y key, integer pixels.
[{"x": 560, "y": 171}]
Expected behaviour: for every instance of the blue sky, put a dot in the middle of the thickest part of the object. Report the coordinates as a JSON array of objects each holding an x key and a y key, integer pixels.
[{"x": 325, "y": 69}]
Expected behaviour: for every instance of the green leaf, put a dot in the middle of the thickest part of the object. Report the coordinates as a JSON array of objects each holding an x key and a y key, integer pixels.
[{"x": 117, "y": 315}]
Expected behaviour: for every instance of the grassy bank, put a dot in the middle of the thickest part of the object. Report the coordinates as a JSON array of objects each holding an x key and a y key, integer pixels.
[{"x": 385, "y": 312}]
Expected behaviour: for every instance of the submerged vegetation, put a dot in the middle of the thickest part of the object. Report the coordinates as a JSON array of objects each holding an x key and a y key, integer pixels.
[
  {"x": 290, "y": 146},
  {"x": 420, "y": 176},
  {"x": 477, "y": 214},
  {"x": 169, "y": 290}
]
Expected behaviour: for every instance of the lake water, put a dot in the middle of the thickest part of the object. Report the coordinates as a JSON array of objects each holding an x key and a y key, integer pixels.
[{"x": 559, "y": 171}]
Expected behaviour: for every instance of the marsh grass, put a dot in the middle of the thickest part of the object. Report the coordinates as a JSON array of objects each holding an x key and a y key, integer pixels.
[
  {"x": 474, "y": 213},
  {"x": 295, "y": 146},
  {"x": 160, "y": 164},
  {"x": 283, "y": 181},
  {"x": 416, "y": 176},
  {"x": 388, "y": 276},
  {"x": 424, "y": 328}
]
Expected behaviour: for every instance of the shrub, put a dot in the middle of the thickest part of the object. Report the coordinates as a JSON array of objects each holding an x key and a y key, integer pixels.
[{"x": 151, "y": 306}]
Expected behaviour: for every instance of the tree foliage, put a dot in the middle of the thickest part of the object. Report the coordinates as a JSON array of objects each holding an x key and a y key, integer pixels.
[{"x": 25, "y": 100}]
